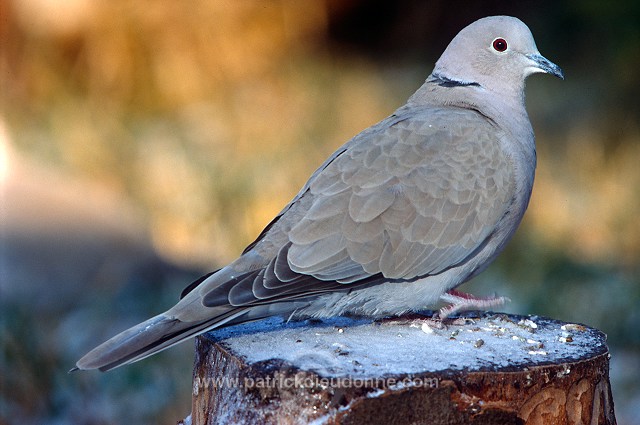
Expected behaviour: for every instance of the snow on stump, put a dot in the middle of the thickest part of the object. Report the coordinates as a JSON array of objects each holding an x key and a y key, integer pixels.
[{"x": 477, "y": 368}]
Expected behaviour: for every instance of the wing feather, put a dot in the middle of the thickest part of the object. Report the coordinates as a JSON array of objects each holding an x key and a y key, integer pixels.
[
  {"x": 408, "y": 199},
  {"x": 421, "y": 199}
]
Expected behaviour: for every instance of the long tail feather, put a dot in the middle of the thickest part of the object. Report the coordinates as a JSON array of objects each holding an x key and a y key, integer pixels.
[{"x": 147, "y": 338}]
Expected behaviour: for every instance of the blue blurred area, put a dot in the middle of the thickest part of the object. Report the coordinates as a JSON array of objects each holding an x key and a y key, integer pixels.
[{"x": 76, "y": 269}]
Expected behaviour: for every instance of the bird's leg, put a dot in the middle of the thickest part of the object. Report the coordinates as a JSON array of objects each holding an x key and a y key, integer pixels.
[{"x": 462, "y": 301}]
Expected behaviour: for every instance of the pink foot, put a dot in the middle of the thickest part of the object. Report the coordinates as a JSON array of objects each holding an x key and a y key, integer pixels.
[{"x": 462, "y": 301}]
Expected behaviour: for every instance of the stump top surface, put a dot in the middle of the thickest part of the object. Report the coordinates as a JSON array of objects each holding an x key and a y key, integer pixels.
[{"x": 364, "y": 348}]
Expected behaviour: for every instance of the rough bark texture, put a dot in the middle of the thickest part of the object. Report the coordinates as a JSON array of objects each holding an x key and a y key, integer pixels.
[{"x": 228, "y": 389}]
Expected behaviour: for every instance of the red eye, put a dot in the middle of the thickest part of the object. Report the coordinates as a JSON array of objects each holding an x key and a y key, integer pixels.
[{"x": 500, "y": 44}]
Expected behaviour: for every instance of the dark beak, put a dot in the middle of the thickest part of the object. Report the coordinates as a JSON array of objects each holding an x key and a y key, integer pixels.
[{"x": 545, "y": 65}]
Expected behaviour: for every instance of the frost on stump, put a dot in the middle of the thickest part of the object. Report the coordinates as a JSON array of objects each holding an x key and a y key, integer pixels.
[{"x": 478, "y": 368}]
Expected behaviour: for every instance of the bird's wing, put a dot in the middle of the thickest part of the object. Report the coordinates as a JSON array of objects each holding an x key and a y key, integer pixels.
[{"x": 410, "y": 200}]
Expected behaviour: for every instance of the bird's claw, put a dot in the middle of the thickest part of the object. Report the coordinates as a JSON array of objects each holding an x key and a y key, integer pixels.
[{"x": 459, "y": 301}]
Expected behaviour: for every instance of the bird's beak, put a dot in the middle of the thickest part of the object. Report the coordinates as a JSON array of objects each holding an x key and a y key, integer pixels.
[{"x": 542, "y": 64}]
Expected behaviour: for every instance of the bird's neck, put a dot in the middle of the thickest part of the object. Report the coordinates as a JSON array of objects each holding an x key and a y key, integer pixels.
[{"x": 500, "y": 104}]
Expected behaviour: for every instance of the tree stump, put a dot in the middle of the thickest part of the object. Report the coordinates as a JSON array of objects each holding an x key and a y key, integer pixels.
[{"x": 477, "y": 368}]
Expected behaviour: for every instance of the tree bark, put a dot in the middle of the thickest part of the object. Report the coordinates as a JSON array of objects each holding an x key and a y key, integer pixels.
[{"x": 498, "y": 369}]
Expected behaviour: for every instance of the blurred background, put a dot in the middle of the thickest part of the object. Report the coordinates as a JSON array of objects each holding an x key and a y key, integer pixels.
[{"x": 144, "y": 143}]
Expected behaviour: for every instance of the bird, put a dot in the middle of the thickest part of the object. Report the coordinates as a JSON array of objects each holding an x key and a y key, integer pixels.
[{"x": 395, "y": 219}]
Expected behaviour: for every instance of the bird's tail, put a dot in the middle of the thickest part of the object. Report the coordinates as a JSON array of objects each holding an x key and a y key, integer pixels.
[{"x": 147, "y": 338}]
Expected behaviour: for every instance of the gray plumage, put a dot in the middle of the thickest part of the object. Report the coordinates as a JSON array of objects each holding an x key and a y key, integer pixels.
[{"x": 396, "y": 218}]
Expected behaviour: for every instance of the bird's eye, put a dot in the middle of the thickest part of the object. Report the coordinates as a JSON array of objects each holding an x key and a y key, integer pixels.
[{"x": 500, "y": 44}]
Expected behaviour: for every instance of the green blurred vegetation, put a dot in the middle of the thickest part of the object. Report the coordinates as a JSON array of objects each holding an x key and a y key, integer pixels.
[{"x": 208, "y": 116}]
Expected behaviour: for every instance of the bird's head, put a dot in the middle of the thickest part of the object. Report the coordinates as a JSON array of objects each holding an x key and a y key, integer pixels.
[{"x": 496, "y": 53}]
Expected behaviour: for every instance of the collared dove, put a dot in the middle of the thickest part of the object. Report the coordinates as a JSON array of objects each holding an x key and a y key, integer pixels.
[{"x": 396, "y": 218}]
